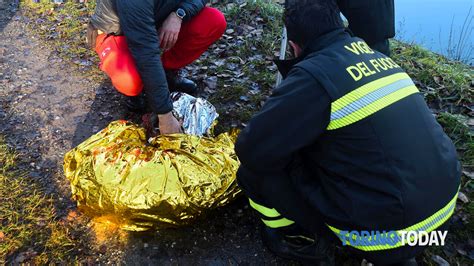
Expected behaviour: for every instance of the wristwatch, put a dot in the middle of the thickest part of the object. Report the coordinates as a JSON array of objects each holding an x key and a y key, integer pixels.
[{"x": 180, "y": 13}]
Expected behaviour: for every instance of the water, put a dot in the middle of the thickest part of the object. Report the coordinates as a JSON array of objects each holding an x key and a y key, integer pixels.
[{"x": 433, "y": 23}]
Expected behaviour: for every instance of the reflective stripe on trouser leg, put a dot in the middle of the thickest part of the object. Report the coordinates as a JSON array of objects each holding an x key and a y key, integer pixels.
[{"x": 273, "y": 217}]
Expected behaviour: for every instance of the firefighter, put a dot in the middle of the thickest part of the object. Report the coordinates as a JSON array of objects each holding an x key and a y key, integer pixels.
[
  {"x": 346, "y": 143},
  {"x": 129, "y": 35},
  {"x": 371, "y": 20}
]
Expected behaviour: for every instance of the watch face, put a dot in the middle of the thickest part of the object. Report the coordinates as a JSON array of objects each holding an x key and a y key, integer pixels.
[{"x": 181, "y": 13}]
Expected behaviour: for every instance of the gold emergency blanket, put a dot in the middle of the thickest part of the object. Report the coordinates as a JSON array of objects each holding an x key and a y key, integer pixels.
[{"x": 139, "y": 185}]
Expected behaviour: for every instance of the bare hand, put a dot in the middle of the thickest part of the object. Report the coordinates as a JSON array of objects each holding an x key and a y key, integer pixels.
[
  {"x": 168, "y": 124},
  {"x": 169, "y": 31}
]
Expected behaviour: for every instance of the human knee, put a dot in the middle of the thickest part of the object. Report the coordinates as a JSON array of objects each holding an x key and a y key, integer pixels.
[
  {"x": 214, "y": 21},
  {"x": 217, "y": 20},
  {"x": 128, "y": 84}
]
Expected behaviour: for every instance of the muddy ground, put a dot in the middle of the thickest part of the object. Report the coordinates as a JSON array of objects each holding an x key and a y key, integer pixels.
[{"x": 47, "y": 108}]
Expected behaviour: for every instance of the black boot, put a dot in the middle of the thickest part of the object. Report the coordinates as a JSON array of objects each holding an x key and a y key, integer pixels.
[
  {"x": 136, "y": 104},
  {"x": 180, "y": 84},
  {"x": 294, "y": 243}
]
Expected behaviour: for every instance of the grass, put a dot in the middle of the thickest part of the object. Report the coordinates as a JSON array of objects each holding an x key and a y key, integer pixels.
[
  {"x": 267, "y": 13},
  {"x": 254, "y": 39},
  {"x": 463, "y": 137},
  {"x": 460, "y": 46},
  {"x": 447, "y": 84},
  {"x": 29, "y": 227},
  {"x": 64, "y": 27},
  {"x": 448, "y": 87}
]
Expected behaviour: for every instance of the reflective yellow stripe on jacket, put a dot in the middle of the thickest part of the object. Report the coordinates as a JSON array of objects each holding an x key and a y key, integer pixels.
[{"x": 369, "y": 99}]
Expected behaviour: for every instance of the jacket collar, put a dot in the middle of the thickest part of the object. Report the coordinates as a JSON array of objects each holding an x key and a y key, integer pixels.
[{"x": 284, "y": 66}]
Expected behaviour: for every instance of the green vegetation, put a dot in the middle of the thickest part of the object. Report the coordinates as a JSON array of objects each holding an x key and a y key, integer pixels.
[
  {"x": 29, "y": 227},
  {"x": 260, "y": 12},
  {"x": 463, "y": 137},
  {"x": 64, "y": 27},
  {"x": 246, "y": 73},
  {"x": 447, "y": 84}
]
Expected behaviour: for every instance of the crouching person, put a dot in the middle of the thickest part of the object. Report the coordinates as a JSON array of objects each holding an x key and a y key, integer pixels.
[
  {"x": 345, "y": 144},
  {"x": 143, "y": 44}
]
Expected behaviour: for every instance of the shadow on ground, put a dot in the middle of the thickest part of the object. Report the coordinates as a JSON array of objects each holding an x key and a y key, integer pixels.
[{"x": 107, "y": 106}]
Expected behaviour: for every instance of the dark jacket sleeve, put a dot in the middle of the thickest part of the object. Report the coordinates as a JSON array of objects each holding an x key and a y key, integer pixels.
[
  {"x": 137, "y": 21},
  {"x": 192, "y": 7},
  {"x": 293, "y": 118}
]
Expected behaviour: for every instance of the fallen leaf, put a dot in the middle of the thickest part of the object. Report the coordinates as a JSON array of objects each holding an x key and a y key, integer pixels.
[
  {"x": 211, "y": 82},
  {"x": 244, "y": 98},
  {"x": 462, "y": 197},
  {"x": 2, "y": 236},
  {"x": 468, "y": 174},
  {"x": 440, "y": 261},
  {"x": 438, "y": 80},
  {"x": 25, "y": 256},
  {"x": 462, "y": 252},
  {"x": 71, "y": 216},
  {"x": 470, "y": 122}
]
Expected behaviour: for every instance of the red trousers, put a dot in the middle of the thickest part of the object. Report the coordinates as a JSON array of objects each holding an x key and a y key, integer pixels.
[{"x": 194, "y": 39}]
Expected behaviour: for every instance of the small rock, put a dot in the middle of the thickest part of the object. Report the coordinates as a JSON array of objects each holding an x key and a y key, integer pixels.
[
  {"x": 440, "y": 261},
  {"x": 229, "y": 31}
]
